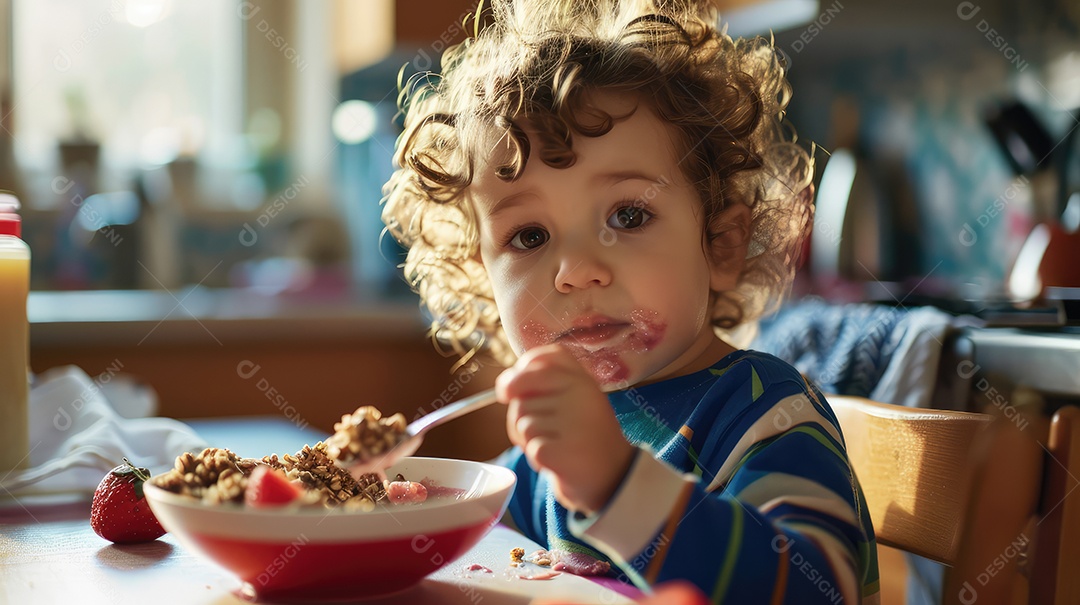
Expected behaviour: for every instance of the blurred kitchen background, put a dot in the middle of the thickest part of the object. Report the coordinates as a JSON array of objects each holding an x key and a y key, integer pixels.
[
  {"x": 159, "y": 144},
  {"x": 194, "y": 171}
]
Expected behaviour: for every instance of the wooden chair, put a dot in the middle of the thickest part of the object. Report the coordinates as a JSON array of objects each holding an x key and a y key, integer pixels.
[
  {"x": 967, "y": 490},
  {"x": 1055, "y": 570}
]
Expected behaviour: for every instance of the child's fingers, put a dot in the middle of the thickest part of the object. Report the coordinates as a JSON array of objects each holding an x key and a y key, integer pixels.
[
  {"x": 536, "y": 385},
  {"x": 537, "y": 379},
  {"x": 522, "y": 418},
  {"x": 501, "y": 382},
  {"x": 547, "y": 357},
  {"x": 534, "y": 426},
  {"x": 507, "y": 385},
  {"x": 542, "y": 452}
]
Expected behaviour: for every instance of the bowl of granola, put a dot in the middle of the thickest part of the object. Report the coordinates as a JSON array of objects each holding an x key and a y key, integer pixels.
[{"x": 302, "y": 528}]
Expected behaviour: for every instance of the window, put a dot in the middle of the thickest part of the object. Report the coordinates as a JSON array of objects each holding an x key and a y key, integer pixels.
[{"x": 123, "y": 83}]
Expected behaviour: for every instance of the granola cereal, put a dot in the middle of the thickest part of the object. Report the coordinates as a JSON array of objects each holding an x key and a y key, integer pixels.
[
  {"x": 213, "y": 475},
  {"x": 542, "y": 558},
  {"x": 313, "y": 467},
  {"x": 365, "y": 434},
  {"x": 517, "y": 555},
  {"x": 218, "y": 475}
]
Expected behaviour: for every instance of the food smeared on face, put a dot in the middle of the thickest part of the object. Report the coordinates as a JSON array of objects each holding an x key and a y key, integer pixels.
[{"x": 601, "y": 342}]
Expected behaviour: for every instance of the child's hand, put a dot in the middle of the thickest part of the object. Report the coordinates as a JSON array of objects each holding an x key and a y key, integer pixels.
[{"x": 565, "y": 424}]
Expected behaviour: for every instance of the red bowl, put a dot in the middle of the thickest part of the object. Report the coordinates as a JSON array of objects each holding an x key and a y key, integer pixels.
[{"x": 313, "y": 555}]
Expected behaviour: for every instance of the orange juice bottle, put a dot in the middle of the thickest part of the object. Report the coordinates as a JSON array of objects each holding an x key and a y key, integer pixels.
[{"x": 14, "y": 339}]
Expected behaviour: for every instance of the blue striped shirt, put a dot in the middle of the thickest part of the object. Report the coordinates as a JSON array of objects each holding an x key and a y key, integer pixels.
[{"x": 741, "y": 485}]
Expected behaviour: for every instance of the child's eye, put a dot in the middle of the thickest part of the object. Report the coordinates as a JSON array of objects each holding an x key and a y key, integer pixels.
[
  {"x": 529, "y": 238},
  {"x": 630, "y": 217}
]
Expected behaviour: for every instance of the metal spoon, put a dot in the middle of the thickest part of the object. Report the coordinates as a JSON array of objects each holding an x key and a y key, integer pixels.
[{"x": 414, "y": 433}]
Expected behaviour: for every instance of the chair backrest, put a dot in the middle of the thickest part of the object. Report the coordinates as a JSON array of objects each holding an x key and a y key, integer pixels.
[
  {"x": 1055, "y": 569},
  {"x": 956, "y": 487}
]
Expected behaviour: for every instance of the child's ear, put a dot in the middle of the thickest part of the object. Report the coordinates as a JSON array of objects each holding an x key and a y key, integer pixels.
[{"x": 726, "y": 245}]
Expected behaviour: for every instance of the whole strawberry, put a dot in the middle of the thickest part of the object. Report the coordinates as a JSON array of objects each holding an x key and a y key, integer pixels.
[{"x": 120, "y": 513}]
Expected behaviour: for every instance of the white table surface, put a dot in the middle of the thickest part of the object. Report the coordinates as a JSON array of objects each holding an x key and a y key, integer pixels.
[
  {"x": 49, "y": 554},
  {"x": 63, "y": 561}
]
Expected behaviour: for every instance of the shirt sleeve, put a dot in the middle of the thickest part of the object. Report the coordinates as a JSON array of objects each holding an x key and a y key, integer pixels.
[
  {"x": 777, "y": 520},
  {"x": 527, "y": 505}
]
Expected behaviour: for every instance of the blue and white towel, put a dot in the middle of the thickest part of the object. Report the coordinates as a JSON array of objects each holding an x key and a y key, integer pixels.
[{"x": 883, "y": 353}]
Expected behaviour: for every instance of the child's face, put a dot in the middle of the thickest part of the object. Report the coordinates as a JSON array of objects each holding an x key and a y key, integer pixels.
[{"x": 606, "y": 257}]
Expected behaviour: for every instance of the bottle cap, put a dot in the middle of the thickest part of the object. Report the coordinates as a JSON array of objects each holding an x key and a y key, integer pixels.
[{"x": 10, "y": 221}]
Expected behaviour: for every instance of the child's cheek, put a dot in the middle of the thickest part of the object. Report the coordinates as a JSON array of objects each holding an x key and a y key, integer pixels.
[
  {"x": 648, "y": 330},
  {"x": 534, "y": 334}
]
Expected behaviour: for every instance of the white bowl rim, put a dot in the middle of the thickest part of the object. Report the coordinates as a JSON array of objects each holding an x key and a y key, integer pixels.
[{"x": 504, "y": 479}]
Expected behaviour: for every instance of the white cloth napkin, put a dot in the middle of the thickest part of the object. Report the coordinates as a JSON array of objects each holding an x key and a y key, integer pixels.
[
  {"x": 76, "y": 436},
  {"x": 912, "y": 373}
]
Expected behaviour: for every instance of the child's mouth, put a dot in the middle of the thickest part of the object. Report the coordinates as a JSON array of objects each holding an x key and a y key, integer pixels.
[
  {"x": 592, "y": 334},
  {"x": 599, "y": 341}
]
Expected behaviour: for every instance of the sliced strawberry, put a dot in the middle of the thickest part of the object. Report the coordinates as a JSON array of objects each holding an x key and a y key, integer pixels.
[
  {"x": 120, "y": 513},
  {"x": 401, "y": 492},
  {"x": 268, "y": 487}
]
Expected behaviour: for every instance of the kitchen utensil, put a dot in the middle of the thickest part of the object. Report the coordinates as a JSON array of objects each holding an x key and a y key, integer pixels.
[
  {"x": 1022, "y": 138},
  {"x": 1047, "y": 257}
]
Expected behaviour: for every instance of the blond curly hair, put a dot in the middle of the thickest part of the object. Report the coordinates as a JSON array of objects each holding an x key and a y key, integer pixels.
[{"x": 534, "y": 62}]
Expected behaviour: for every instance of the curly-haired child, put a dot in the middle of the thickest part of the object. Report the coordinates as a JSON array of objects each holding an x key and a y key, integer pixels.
[{"x": 593, "y": 193}]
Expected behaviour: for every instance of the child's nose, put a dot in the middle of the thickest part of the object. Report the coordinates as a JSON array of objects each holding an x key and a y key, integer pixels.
[{"x": 581, "y": 267}]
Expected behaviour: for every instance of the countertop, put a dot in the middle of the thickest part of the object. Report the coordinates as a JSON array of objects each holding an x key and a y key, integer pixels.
[
  {"x": 211, "y": 352},
  {"x": 191, "y": 315},
  {"x": 1046, "y": 360}
]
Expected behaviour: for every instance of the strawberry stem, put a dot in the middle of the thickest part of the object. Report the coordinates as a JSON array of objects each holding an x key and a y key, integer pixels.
[{"x": 138, "y": 472}]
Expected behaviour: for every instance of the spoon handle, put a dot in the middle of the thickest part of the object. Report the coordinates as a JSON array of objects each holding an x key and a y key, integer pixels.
[{"x": 452, "y": 411}]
